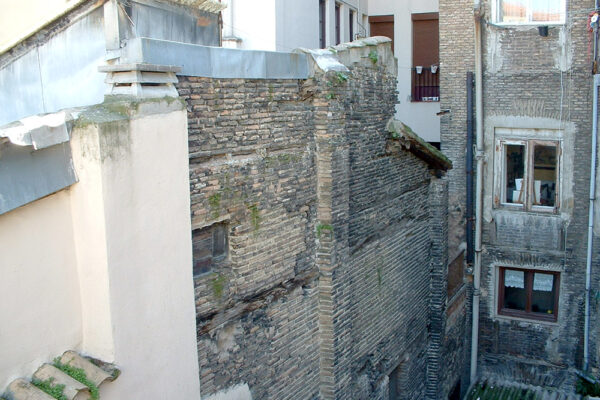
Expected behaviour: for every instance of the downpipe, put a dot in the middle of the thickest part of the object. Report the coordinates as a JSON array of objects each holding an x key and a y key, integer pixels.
[
  {"x": 590, "y": 242},
  {"x": 478, "y": 189},
  {"x": 588, "y": 269}
]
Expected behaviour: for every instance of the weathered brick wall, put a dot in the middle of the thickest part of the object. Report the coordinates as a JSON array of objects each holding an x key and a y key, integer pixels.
[
  {"x": 252, "y": 166},
  {"x": 326, "y": 288},
  {"x": 530, "y": 81},
  {"x": 456, "y": 59}
]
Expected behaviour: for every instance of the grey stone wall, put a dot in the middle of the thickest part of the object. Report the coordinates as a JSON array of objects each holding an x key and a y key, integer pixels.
[
  {"x": 327, "y": 287},
  {"x": 530, "y": 81}
]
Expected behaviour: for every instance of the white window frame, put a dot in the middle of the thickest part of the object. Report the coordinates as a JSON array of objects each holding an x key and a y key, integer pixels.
[
  {"x": 496, "y": 14},
  {"x": 528, "y": 182}
]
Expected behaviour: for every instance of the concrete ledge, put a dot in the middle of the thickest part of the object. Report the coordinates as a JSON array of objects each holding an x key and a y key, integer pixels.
[{"x": 216, "y": 62}]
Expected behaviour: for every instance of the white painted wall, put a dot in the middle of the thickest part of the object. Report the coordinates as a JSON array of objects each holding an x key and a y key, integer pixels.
[
  {"x": 40, "y": 312},
  {"x": 285, "y": 25},
  {"x": 142, "y": 257},
  {"x": 421, "y": 117},
  {"x": 105, "y": 267}
]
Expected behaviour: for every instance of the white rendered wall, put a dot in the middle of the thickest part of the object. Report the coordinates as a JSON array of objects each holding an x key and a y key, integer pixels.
[
  {"x": 420, "y": 116},
  {"x": 285, "y": 25},
  {"x": 142, "y": 260},
  {"x": 253, "y": 22},
  {"x": 40, "y": 312}
]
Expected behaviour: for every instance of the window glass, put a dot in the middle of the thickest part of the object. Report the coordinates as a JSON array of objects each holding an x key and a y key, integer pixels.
[
  {"x": 546, "y": 10},
  {"x": 515, "y": 296},
  {"x": 512, "y": 11},
  {"x": 542, "y": 296},
  {"x": 530, "y": 11},
  {"x": 515, "y": 170},
  {"x": 544, "y": 175},
  {"x": 209, "y": 247}
]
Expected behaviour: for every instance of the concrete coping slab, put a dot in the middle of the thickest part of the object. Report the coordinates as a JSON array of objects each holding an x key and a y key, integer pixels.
[{"x": 143, "y": 67}]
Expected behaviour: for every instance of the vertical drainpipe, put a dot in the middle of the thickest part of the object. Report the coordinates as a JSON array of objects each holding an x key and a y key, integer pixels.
[
  {"x": 469, "y": 216},
  {"x": 478, "y": 189},
  {"x": 588, "y": 269}
]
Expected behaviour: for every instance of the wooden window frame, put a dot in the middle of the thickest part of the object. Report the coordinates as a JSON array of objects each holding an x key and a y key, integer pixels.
[
  {"x": 528, "y": 314},
  {"x": 529, "y": 144}
]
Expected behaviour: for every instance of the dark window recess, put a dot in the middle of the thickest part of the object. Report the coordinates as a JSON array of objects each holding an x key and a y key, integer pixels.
[
  {"x": 394, "y": 384},
  {"x": 322, "y": 23},
  {"x": 351, "y": 24},
  {"x": 528, "y": 293},
  {"x": 382, "y": 25},
  {"x": 425, "y": 71},
  {"x": 338, "y": 38},
  {"x": 455, "y": 274},
  {"x": 210, "y": 246}
]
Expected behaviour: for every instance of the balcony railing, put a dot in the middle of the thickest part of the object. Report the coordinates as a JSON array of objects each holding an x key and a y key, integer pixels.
[{"x": 425, "y": 84}]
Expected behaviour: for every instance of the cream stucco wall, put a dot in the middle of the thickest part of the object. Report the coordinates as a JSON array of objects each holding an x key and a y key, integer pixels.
[
  {"x": 41, "y": 311},
  {"x": 105, "y": 267},
  {"x": 19, "y": 19},
  {"x": 421, "y": 117}
]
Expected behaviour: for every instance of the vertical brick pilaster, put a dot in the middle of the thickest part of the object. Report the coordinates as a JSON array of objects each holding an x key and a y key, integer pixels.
[{"x": 438, "y": 214}]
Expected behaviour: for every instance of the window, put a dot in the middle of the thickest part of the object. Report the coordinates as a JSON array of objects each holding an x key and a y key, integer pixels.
[
  {"x": 425, "y": 49},
  {"x": 382, "y": 25},
  {"x": 338, "y": 38},
  {"x": 455, "y": 275},
  {"x": 351, "y": 24},
  {"x": 210, "y": 247},
  {"x": 529, "y": 174},
  {"x": 528, "y": 293},
  {"x": 322, "y": 23},
  {"x": 532, "y": 12},
  {"x": 394, "y": 384}
]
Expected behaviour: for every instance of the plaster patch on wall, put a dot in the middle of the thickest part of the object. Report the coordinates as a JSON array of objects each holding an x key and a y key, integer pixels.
[
  {"x": 494, "y": 50},
  {"x": 563, "y": 59},
  {"x": 237, "y": 392}
]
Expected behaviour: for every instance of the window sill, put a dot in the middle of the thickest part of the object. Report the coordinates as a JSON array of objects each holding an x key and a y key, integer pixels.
[
  {"x": 508, "y": 318},
  {"x": 528, "y": 24}
]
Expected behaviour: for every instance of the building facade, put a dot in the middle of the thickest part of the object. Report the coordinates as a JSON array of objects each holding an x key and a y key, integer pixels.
[{"x": 532, "y": 118}]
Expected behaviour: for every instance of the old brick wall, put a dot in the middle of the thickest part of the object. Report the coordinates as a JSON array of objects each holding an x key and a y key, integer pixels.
[
  {"x": 530, "y": 81},
  {"x": 326, "y": 287},
  {"x": 252, "y": 167},
  {"x": 456, "y": 59}
]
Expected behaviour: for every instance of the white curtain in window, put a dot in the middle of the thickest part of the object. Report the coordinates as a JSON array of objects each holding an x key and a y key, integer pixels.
[
  {"x": 518, "y": 11},
  {"x": 543, "y": 282},
  {"x": 515, "y": 279}
]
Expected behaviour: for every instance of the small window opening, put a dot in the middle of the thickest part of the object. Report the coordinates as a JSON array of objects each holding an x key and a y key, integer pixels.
[
  {"x": 338, "y": 38},
  {"x": 322, "y": 23},
  {"x": 210, "y": 247},
  {"x": 351, "y": 24},
  {"x": 394, "y": 384}
]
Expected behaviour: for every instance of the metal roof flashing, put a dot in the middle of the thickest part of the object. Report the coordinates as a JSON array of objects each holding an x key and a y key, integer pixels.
[{"x": 35, "y": 159}]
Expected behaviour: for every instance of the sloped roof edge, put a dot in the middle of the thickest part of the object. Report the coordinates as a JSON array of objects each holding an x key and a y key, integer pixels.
[{"x": 416, "y": 145}]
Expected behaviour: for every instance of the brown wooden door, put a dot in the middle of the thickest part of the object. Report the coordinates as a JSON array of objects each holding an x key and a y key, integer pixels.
[{"x": 382, "y": 25}]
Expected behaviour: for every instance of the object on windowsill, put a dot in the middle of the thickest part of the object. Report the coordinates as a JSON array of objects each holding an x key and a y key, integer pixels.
[
  {"x": 434, "y": 69},
  {"x": 543, "y": 31},
  {"x": 419, "y": 69}
]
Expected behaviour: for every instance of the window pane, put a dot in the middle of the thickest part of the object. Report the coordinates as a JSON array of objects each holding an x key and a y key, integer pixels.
[
  {"x": 542, "y": 296},
  {"x": 202, "y": 243},
  {"x": 515, "y": 169},
  {"x": 544, "y": 175},
  {"x": 546, "y": 10},
  {"x": 219, "y": 241},
  {"x": 515, "y": 297},
  {"x": 512, "y": 11}
]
